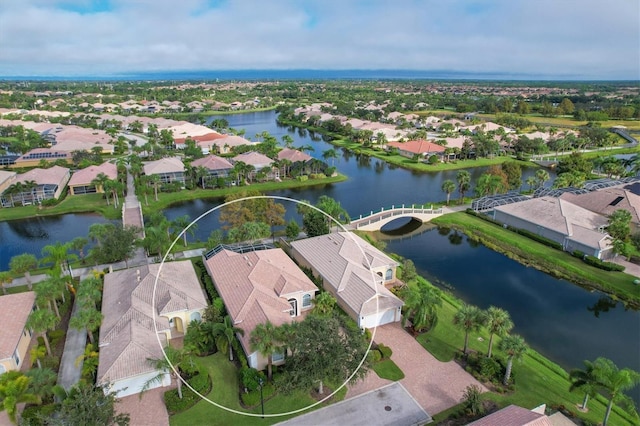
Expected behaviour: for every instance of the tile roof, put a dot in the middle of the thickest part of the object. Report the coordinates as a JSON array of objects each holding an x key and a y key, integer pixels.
[
  {"x": 345, "y": 261},
  {"x": 254, "y": 158},
  {"x": 418, "y": 147},
  {"x": 255, "y": 287},
  {"x": 164, "y": 165},
  {"x": 606, "y": 201},
  {"x": 51, "y": 176},
  {"x": 513, "y": 416},
  {"x": 86, "y": 175},
  {"x": 208, "y": 137},
  {"x": 212, "y": 162},
  {"x": 127, "y": 334},
  {"x": 14, "y": 311},
  {"x": 293, "y": 155}
]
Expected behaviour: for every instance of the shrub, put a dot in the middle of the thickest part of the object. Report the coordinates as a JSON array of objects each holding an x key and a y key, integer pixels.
[
  {"x": 472, "y": 400},
  {"x": 55, "y": 336},
  {"x": 250, "y": 378},
  {"x": 34, "y": 415},
  {"x": 607, "y": 266},
  {"x": 385, "y": 351},
  {"x": 303, "y": 178},
  {"x": 317, "y": 176},
  {"x": 201, "y": 382},
  {"x": 374, "y": 356},
  {"x": 489, "y": 369}
]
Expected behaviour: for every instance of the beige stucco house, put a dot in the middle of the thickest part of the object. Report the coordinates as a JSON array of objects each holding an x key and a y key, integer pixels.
[
  {"x": 37, "y": 185},
  {"x": 257, "y": 287},
  {"x": 81, "y": 181},
  {"x": 355, "y": 273},
  {"x": 14, "y": 335},
  {"x": 136, "y": 325}
]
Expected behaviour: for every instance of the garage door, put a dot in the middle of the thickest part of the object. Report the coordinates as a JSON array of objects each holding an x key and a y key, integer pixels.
[
  {"x": 379, "y": 318},
  {"x": 134, "y": 385}
]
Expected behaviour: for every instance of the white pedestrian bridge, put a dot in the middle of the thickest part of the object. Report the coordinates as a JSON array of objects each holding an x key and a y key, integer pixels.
[{"x": 376, "y": 220}]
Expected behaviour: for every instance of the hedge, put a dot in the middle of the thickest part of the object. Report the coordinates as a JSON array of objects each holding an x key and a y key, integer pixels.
[{"x": 201, "y": 382}]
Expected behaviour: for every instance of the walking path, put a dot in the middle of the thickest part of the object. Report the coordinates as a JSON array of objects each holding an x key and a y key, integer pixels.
[{"x": 71, "y": 362}]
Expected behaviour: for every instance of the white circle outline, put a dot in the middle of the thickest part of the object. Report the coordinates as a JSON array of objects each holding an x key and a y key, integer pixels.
[{"x": 155, "y": 326}]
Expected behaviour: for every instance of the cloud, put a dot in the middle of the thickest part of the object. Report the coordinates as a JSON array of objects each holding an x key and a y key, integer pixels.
[{"x": 546, "y": 37}]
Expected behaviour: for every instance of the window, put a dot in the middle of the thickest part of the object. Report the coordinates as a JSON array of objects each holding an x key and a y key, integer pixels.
[
  {"x": 16, "y": 357},
  {"x": 195, "y": 316},
  {"x": 306, "y": 300},
  {"x": 294, "y": 307},
  {"x": 276, "y": 357},
  {"x": 389, "y": 274},
  {"x": 2, "y": 369}
]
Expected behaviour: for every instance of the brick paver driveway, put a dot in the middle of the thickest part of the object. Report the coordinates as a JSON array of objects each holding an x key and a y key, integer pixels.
[
  {"x": 435, "y": 385},
  {"x": 146, "y": 411}
]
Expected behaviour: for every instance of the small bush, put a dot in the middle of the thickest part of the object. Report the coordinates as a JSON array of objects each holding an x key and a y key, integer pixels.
[
  {"x": 33, "y": 415},
  {"x": 303, "y": 178},
  {"x": 490, "y": 369},
  {"x": 607, "y": 266},
  {"x": 250, "y": 378},
  {"x": 385, "y": 351},
  {"x": 200, "y": 382},
  {"x": 317, "y": 176},
  {"x": 374, "y": 356}
]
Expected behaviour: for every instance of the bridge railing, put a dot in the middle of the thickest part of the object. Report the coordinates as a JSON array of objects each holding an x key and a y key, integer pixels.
[{"x": 386, "y": 213}]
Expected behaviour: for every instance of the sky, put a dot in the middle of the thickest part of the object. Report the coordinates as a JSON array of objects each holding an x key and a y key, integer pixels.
[{"x": 564, "y": 39}]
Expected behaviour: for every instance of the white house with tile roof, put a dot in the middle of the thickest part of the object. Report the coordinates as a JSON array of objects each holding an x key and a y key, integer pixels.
[
  {"x": 355, "y": 273},
  {"x": 81, "y": 181},
  {"x": 130, "y": 335},
  {"x": 257, "y": 287},
  {"x": 14, "y": 335},
  {"x": 170, "y": 169}
]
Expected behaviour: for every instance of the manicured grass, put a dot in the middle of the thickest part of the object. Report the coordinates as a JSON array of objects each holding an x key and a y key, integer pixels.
[
  {"x": 387, "y": 369},
  {"x": 538, "y": 380},
  {"x": 167, "y": 199},
  {"x": 71, "y": 204},
  {"x": 531, "y": 253},
  {"x": 225, "y": 392}
]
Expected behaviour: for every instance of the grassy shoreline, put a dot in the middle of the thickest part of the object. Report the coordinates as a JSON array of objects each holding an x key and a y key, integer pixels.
[
  {"x": 538, "y": 379},
  {"x": 618, "y": 285}
]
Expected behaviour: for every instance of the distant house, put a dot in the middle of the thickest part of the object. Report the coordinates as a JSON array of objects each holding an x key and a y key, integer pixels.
[
  {"x": 169, "y": 169},
  {"x": 15, "y": 337},
  {"x": 128, "y": 337},
  {"x": 204, "y": 141},
  {"x": 257, "y": 287},
  {"x": 293, "y": 155},
  {"x": 607, "y": 200},
  {"x": 259, "y": 162},
  {"x": 421, "y": 148},
  {"x": 35, "y": 156},
  {"x": 559, "y": 220},
  {"x": 35, "y": 186},
  {"x": 514, "y": 415},
  {"x": 80, "y": 182},
  {"x": 6, "y": 179},
  {"x": 355, "y": 273},
  {"x": 225, "y": 144},
  {"x": 218, "y": 167}
]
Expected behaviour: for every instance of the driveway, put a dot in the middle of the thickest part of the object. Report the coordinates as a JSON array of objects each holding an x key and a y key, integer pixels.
[
  {"x": 146, "y": 411},
  {"x": 435, "y": 385},
  {"x": 389, "y": 405}
]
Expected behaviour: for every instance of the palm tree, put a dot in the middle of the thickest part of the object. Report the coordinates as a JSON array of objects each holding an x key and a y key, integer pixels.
[
  {"x": 201, "y": 174},
  {"x": 180, "y": 223},
  {"x": 287, "y": 140},
  {"x": 498, "y": 323},
  {"x": 330, "y": 153},
  {"x": 88, "y": 318},
  {"x": 5, "y": 278},
  {"x": 448, "y": 186},
  {"x": 615, "y": 381},
  {"x": 41, "y": 321},
  {"x": 56, "y": 254},
  {"x": 264, "y": 339},
  {"x": 45, "y": 291},
  {"x": 468, "y": 318},
  {"x": 531, "y": 181},
  {"x": 515, "y": 347},
  {"x": 89, "y": 291},
  {"x": 155, "y": 240},
  {"x": 100, "y": 182},
  {"x": 464, "y": 182},
  {"x": 14, "y": 390},
  {"x": 154, "y": 180},
  {"x": 175, "y": 363},
  {"x": 78, "y": 244},
  {"x": 37, "y": 353},
  {"x": 586, "y": 381},
  {"x": 225, "y": 333},
  {"x": 23, "y": 264},
  {"x": 324, "y": 304},
  {"x": 42, "y": 381},
  {"x": 541, "y": 177},
  {"x": 421, "y": 303}
]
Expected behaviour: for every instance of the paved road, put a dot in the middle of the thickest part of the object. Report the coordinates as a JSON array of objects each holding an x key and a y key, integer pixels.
[{"x": 389, "y": 405}]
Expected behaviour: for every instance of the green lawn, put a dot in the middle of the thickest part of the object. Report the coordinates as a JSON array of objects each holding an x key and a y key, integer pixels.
[
  {"x": 538, "y": 380},
  {"x": 167, "y": 199},
  {"x": 387, "y": 369},
  {"x": 531, "y": 253},
  {"x": 225, "y": 392},
  {"x": 71, "y": 204}
]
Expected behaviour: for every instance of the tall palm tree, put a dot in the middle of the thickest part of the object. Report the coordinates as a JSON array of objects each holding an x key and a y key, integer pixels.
[
  {"x": 42, "y": 381},
  {"x": 175, "y": 363},
  {"x": 264, "y": 339},
  {"x": 330, "y": 153},
  {"x": 324, "y": 304},
  {"x": 45, "y": 292},
  {"x": 89, "y": 291},
  {"x": 23, "y": 264},
  {"x": 498, "y": 322},
  {"x": 421, "y": 302},
  {"x": 89, "y": 318},
  {"x": 586, "y": 381},
  {"x": 225, "y": 333},
  {"x": 448, "y": 186},
  {"x": 15, "y": 389},
  {"x": 100, "y": 182},
  {"x": 531, "y": 181},
  {"x": 463, "y": 178},
  {"x": 541, "y": 177},
  {"x": 615, "y": 381},
  {"x": 514, "y": 347},
  {"x": 78, "y": 244},
  {"x": 180, "y": 223},
  {"x": 469, "y": 318},
  {"x": 56, "y": 254},
  {"x": 41, "y": 321}
]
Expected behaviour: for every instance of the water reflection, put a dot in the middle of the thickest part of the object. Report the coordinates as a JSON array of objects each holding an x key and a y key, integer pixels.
[{"x": 604, "y": 304}]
